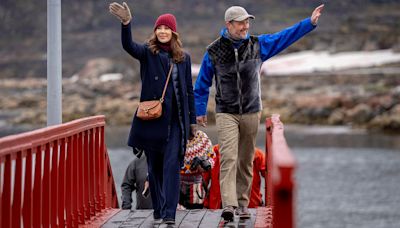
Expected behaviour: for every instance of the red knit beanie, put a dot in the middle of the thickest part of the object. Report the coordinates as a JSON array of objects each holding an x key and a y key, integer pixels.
[{"x": 167, "y": 20}]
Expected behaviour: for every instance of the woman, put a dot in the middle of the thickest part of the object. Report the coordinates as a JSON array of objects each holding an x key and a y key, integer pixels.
[{"x": 164, "y": 139}]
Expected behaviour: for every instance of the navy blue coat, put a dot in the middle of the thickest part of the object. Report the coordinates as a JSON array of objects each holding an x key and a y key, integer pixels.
[{"x": 152, "y": 134}]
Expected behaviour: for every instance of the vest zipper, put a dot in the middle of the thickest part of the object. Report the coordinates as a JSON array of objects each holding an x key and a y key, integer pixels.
[{"x": 239, "y": 81}]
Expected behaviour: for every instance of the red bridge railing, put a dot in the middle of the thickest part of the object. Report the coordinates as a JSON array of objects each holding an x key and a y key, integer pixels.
[
  {"x": 279, "y": 182},
  {"x": 56, "y": 176}
]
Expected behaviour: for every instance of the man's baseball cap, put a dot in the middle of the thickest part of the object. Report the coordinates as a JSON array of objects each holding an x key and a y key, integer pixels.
[{"x": 237, "y": 13}]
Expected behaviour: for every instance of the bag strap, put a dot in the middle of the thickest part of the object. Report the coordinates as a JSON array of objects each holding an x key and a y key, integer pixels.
[{"x": 166, "y": 83}]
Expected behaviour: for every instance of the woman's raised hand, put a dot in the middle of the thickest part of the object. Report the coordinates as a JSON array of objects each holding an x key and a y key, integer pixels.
[{"x": 122, "y": 12}]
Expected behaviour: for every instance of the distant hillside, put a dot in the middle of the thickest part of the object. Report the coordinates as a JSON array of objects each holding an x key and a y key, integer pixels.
[{"x": 89, "y": 31}]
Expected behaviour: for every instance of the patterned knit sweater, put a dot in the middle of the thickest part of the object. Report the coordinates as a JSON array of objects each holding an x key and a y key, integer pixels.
[{"x": 200, "y": 146}]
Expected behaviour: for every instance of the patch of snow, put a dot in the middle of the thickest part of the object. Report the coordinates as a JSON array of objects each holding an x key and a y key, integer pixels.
[
  {"x": 305, "y": 62},
  {"x": 310, "y": 61},
  {"x": 74, "y": 78},
  {"x": 110, "y": 77},
  {"x": 323, "y": 129}
]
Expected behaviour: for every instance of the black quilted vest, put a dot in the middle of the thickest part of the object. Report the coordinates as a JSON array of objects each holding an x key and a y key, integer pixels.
[{"x": 237, "y": 75}]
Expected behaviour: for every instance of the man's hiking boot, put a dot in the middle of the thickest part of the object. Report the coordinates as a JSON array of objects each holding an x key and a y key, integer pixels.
[
  {"x": 243, "y": 212},
  {"x": 227, "y": 213}
]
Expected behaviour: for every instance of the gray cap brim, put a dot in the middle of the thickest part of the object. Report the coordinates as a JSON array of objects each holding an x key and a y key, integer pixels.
[{"x": 244, "y": 17}]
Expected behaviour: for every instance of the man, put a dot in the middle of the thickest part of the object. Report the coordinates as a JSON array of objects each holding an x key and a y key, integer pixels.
[
  {"x": 211, "y": 179},
  {"x": 235, "y": 59},
  {"x": 136, "y": 179}
]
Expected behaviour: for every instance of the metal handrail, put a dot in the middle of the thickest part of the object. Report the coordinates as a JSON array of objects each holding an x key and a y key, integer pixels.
[
  {"x": 56, "y": 176},
  {"x": 279, "y": 179}
]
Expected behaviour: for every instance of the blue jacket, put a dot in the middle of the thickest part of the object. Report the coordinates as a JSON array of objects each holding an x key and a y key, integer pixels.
[
  {"x": 270, "y": 45},
  {"x": 153, "y": 73}
]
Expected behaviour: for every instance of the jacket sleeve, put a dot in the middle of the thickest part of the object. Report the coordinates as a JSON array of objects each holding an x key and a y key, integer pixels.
[
  {"x": 128, "y": 186},
  {"x": 136, "y": 50},
  {"x": 272, "y": 44},
  {"x": 189, "y": 89},
  {"x": 202, "y": 85},
  {"x": 261, "y": 161}
]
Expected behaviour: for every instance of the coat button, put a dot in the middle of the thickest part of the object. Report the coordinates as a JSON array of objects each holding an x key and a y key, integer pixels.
[{"x": 156, "y": 78}]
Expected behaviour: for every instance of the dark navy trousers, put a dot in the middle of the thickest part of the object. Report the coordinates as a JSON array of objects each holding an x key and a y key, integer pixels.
[{"x": 163, "y": 168}]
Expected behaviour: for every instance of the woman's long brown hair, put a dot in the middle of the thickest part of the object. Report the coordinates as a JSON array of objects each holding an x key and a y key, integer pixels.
[{"x": 176, "y": 47}]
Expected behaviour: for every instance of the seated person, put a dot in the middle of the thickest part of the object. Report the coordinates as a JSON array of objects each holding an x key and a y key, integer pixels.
[{"x": 199, "y": 157}]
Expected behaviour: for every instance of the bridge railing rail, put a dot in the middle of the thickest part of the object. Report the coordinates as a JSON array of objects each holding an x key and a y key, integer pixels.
[
  {"x": 280, "y": 185},
  {"x": 56, "y": 176}
]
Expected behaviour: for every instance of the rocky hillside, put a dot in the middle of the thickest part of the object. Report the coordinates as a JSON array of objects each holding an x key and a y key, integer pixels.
[
  {"x": 100, "y": 78},
  {"x": 362, "y": 101},
  {"x": 89, "y": 31}
]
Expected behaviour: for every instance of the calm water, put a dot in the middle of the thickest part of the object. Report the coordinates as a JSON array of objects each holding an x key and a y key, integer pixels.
[
  {"x": 345, "y": 178},
  {"x": 347, "y": 187}
]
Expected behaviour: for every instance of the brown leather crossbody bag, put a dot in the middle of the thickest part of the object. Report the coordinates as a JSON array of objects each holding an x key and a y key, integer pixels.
[{"x": 150, "y": 110}]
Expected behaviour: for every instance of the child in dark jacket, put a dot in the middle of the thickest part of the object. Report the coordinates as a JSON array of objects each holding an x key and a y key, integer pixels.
[{"x": 135, "y": 179}]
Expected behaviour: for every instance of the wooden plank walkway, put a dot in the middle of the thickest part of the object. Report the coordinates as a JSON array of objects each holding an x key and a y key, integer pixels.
[{"x": 202, "y": 218}]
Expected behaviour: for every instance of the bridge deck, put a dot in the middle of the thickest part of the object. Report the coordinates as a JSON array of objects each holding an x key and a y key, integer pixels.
[{"x": 190, "y": 218}]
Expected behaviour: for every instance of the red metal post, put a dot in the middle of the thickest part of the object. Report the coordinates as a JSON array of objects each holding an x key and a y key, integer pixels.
[
  {"x": 97, "y": 168},
  {"x": 102, "y": 170},
  {"x": 37, "y": 189},
  {"x": 81, "y": 204},
  {"x": 6, "y": 194},
  {"x": 54, "y": 184},
  {"x": 46, "y": 199},
  {"x": 16, "y": 206},
  {"x": 28, "y": 196},
  {"x": 75, "y": 182},
  {"x": 61, "y": 184},
  {"x": 92, "y": 179},
  {"x": 69, "y": 174},
  {"x": 86, "y": 170}
]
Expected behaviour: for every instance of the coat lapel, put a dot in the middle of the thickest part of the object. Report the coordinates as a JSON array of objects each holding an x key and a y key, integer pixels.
[{"x": 164, "y": 62}]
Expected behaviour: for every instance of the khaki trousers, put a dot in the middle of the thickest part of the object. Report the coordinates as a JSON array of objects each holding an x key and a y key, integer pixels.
[{"x": 237, "y": 140}]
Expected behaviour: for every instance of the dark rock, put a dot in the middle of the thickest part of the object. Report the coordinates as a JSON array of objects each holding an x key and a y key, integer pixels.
[{"x": 360, "y": 114}]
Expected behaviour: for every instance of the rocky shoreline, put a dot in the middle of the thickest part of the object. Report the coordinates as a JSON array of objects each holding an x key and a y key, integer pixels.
[{"x": 370, "y": 101}]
